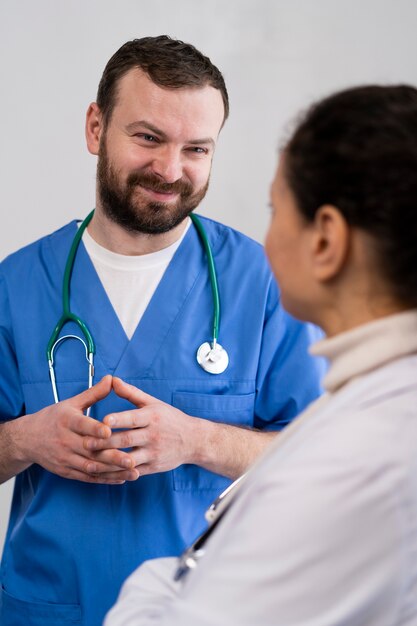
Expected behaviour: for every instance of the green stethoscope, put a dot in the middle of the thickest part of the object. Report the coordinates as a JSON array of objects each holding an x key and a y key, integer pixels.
[{"x": 211, "y": 356}]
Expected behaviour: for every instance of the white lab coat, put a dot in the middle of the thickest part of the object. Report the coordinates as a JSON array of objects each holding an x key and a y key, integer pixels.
[{"x": 324, "y": 530}]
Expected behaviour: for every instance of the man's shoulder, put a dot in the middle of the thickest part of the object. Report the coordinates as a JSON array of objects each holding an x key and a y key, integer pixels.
[
  {"x": 238, "y": 257},
  {"x": 32, "y": 251},
  {"x": 230, "y": 236}
]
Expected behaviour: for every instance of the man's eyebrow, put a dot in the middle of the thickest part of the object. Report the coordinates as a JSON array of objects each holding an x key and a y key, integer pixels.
[
  {"x": 205, "y": 141},
  {"x": 144, "y": 124},
  {"x": 134, "y": 126}
]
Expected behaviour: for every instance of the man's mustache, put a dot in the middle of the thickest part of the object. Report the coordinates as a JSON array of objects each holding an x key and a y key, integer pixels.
[{"x": 154, "y": 183}]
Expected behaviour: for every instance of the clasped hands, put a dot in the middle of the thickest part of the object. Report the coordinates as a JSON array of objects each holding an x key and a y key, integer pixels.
[{"x": 63, "y": 440}]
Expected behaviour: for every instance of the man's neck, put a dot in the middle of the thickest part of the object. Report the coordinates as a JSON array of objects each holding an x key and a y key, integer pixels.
[{"x": 115, "y": 238}]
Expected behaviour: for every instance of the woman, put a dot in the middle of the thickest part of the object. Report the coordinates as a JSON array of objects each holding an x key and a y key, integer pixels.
[{"x": 323, "y": 530}]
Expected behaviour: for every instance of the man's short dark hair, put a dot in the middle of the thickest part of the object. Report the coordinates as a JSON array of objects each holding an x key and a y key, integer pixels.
[{"x": 168, "y": 62}]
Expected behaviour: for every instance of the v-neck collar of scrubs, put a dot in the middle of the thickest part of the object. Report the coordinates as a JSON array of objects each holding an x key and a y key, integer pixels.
[{"x": 89, "y": 300}]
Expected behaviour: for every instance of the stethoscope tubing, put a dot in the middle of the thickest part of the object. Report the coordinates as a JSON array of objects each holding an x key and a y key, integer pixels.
[
  {"x": 206, "y": 357},
  {"x": 212, "y": 274},
  {"x": 67, "y": 315}
]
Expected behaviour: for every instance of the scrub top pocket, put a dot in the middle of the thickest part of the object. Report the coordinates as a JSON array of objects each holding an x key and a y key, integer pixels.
[
  {"x": 226, "y": 409},
  {"x": 23, "y": 613}
]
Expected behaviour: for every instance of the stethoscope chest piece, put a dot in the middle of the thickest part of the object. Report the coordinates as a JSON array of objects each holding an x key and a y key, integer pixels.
[{"x": 213, "y": 358}]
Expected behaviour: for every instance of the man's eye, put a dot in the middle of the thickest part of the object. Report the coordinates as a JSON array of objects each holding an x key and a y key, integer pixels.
[
  {"x": 146, "y": 137},
  {"x": 198, "y": 150}
]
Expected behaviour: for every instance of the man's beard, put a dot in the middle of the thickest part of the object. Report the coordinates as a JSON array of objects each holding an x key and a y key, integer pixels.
[{"x": 137, "y": 214}]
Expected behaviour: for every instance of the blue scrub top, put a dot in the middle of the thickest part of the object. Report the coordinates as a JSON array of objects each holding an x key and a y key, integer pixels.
[{"x": 70, "y": 545}]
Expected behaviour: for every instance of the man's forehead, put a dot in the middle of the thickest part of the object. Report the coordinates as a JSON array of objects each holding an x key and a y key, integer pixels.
[
  {"x": 141, "y": 98},
  {"x": 136, "y": 80}
]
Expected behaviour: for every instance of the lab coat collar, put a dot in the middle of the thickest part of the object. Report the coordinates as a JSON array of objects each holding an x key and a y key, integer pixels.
[{"x": 367, "y": 347}]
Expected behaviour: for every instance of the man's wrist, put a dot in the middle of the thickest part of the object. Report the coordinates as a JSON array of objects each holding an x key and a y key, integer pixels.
[
  {"x": 16, "y": 435},
  {"x": 200, "y": 441},
  {"x": 12, "y": 455}
]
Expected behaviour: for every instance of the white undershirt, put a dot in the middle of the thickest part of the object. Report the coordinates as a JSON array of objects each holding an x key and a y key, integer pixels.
[{"x": 130, "y": 281}]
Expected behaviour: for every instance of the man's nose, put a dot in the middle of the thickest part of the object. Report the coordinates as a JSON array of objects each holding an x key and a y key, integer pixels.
[{"x": 168, "y": 164}]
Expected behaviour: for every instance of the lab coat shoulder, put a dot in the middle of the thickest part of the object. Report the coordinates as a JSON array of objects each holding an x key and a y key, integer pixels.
[
  {"x": 363, "y": 438},
  {"x": 375, "y": 419}
]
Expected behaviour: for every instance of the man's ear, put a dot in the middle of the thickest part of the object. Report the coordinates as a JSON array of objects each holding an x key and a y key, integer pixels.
[
  {"x": 330, "y": 243},
  {"x": 93, "y": 128}
]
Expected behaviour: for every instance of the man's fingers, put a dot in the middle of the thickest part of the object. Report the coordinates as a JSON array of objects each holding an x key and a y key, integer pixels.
[
  {"x": 129, "y": 438},
  {"x": 94, "y": 394},
  {"x": 128, "y": 419},
  {"x": 98, "y": 469},
  {"x": 104, "y": 479},
  {"x": 110, "y": 478},
  {"x": 132, "y": 394},
  {"x": 83, "y": 425},
  {"x": 112, "y": 457}
]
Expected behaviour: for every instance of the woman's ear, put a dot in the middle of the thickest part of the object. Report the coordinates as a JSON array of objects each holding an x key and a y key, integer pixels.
[
  {"x": 330, "y": 243},
  {"x": 93, "y": 128}
]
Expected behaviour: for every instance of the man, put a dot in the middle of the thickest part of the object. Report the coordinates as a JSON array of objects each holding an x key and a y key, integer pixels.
[{"x": 140, "y": 283}]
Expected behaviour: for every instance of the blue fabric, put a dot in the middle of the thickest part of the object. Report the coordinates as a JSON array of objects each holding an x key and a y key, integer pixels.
[{"x": 70, "y": 545}]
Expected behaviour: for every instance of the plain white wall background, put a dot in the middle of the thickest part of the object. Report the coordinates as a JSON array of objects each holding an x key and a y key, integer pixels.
[{"x": 276, "y": 55}]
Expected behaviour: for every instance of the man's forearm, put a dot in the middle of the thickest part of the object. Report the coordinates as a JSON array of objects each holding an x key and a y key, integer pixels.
[
  {"x": 11, "y": 460},
  {"x": 227, "y": 450}
]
